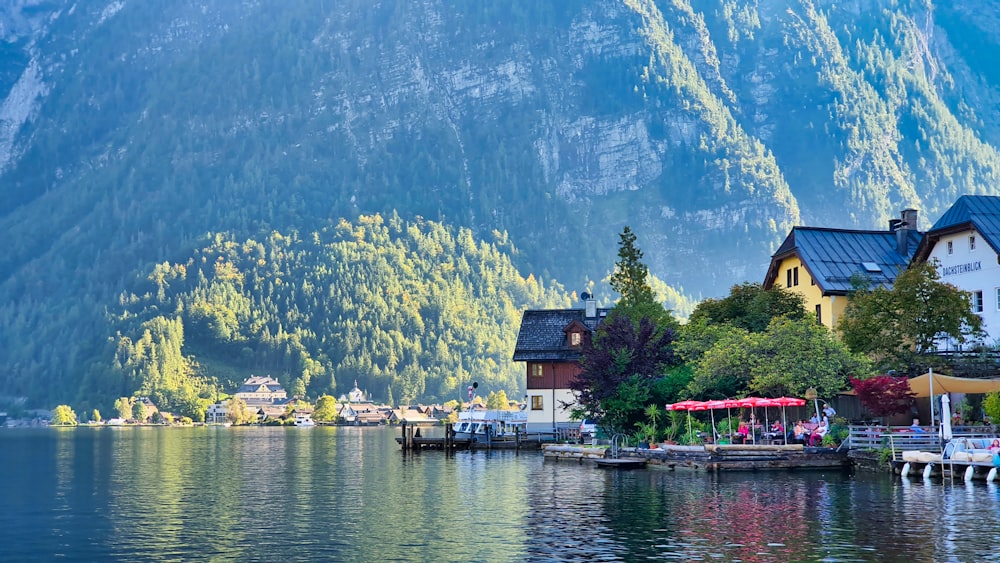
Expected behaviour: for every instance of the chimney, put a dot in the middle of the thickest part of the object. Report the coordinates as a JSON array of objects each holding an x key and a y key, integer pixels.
[
  {"x": 590, "y": 305},
  {"x": 904, "y": 226}
]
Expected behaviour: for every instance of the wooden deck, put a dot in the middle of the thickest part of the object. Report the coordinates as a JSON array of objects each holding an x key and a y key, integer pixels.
[
  {"x": 706, "y": 458},
  {"x": 621, "y": 463},
  {"x": 716, "y": 458}
]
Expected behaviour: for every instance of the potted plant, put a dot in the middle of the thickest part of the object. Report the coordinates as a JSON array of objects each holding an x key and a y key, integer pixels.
[
  {"x": 675, "y": 422},
  {"x": 646, "y": 434}
]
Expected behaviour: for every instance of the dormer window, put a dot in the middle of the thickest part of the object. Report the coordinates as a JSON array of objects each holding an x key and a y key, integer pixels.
[
  {"x": 574, "y": 332},
  {"x": 972, "y": 242}
]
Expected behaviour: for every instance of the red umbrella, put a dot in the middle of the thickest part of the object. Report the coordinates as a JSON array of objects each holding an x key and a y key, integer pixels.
[
  {"x": 683, "y": 405},
  {"x": 788, "y": 402},
  {"x": 753, "y": 403},
  {"x": 686, "y": 406},
  {"x": 721, "y": 404},
  {"x": 767, "y": 403}
]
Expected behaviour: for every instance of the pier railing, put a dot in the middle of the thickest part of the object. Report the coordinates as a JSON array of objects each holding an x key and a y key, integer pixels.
[{"x": 899, "y": 439}]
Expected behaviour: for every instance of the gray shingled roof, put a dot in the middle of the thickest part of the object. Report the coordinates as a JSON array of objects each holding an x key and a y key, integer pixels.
[
  {"x": 981, "y": 212},
  {"x": 541, "y": 337},
  {"x": 832, "y": 256}
]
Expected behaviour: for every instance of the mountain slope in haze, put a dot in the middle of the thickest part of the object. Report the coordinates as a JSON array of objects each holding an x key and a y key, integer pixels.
[{"x": 129, "y": 130}]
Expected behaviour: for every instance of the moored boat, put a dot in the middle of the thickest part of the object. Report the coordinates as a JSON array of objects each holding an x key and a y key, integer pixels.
[
  {"x": 304, "y": 420},
  {"x": 475, "y": 425}
]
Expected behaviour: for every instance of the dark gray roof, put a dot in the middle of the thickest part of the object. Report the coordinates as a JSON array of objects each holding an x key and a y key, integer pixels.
[
  {"x": 832, "y": 256},
  {"x": 981, "y": 212},
  {"x": 541, "y": 337}
]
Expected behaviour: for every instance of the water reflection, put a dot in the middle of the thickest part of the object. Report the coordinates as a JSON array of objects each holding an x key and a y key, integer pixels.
[{"x": 350, "y": 494}]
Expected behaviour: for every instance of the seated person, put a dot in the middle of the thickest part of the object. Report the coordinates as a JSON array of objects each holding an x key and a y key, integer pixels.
[
  {"x": 814, "y": 419},
  {"x": 799, "y": 432},
  {"x": 915, "y": 427},
  {"x": 817, "y": 435},
  {"x": 777, "y": 428},
  {"x": 743, "y": 431}
]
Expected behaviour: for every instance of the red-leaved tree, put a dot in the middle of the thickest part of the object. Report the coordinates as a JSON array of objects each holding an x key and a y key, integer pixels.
[{"x": 884, "y": 395}]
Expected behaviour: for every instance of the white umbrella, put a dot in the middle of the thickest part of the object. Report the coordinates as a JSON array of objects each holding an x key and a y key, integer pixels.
[{"x": 945, "y": 417}]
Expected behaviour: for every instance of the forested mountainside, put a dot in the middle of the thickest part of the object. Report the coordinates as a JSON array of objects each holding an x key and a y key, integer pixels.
[
  {"x": 133, "y": 133},
  {"x": 408, "y": 310}
]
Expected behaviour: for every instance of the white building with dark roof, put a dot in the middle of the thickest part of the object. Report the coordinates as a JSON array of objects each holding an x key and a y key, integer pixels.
[
  {"x": 257, "y": 390},
  {"x": 965, "y": 242}
]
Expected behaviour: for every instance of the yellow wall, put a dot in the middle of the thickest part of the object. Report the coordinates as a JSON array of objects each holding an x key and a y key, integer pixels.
[{"x": 831, "y": 307}]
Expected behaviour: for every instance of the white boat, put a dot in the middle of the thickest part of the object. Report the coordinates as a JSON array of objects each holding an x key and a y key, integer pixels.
[
  {"x": 477, "y": 425},
  {"x": 304, "y": 420}
]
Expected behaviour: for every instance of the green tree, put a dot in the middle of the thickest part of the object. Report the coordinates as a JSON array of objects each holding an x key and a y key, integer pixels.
[
  {"x": 786, "y": 359},
  {"x": 629, "y": 277},
  {"x": 326, "y": 409},
  {"x": 896, "y": 327},
  {"x": 95, "y": 416},
  {"x": 63, "y": 415},
  {"x": 750, "y": 307},
  {"x": 298, "y": 388},
  {"x": 237, "y": 412},
  {"x": 123, "y": 407},
  {"x": 991, "y": 406},
  {"x": 139, "y": 411}
]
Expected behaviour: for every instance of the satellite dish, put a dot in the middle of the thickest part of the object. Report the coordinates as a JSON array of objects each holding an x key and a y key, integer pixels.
[
  {"x": 475, "y": 385},
  {"x": 586, "y": 295}
]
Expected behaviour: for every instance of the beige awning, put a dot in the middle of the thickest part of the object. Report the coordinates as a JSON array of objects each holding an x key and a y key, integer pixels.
[{"x": 921, "y": 385}]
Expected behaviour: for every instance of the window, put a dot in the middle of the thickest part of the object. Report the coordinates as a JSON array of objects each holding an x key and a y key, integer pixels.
[
  {"x": 977, "y": 301},
  {"x": 574, "y": 338},
  {"x": 536, "y": 370},
  {"x": 819, "y": 314},
  {"x": 792, "y": 277},
  {"x": 998, "y": 298},
  {"x": 812, "y": 280},
  {"x": 951, "y": 247},
  {"x": 536, "y": 402},
  {"x": 972, "y": 242}
]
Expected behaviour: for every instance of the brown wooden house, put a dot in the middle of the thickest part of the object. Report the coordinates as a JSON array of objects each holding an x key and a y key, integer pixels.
[{"x": 550, "y": 343}]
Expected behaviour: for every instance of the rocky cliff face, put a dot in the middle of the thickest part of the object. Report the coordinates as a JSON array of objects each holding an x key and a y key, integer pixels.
[{"x": 128, "y": 129}]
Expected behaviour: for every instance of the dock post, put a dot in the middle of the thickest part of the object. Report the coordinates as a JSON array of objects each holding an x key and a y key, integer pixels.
[
  {"x": 405, "y": 446},
  {"x": 517, "y": 439},
  {"x": 409, "y": 438},
  {"x": 449, "y": 440}
]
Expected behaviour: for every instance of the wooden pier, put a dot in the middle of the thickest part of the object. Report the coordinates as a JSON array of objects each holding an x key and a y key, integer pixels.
[{"x": 410, "y": 441}]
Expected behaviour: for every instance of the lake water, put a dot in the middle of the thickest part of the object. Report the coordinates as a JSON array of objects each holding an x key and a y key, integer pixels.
[{"x": 350, "y": 494}]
